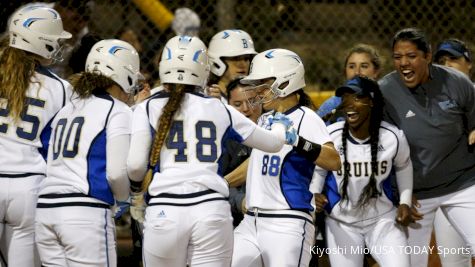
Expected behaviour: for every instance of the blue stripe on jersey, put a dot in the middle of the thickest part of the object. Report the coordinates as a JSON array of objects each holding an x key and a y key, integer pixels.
[
  {"x": 331, "y": 191},
  {"x": 44, "y": 138},
  {"x": 295, "y": 178},
  {"x": 389, "y": 187},
  {"x": 96, "y": 170},
  {"x": 157, "y": 166},
  {"x": 230, "y": 133}
]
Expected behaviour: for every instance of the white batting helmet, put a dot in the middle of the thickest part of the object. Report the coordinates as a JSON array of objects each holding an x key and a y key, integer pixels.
[
  {"x": 228, "y": 43},
  {"x": 184, "y": 61},
  {"x": 283, "y": 65},
  {"x": 38, "y": 29},
  {"x": 117, "y": 60}
]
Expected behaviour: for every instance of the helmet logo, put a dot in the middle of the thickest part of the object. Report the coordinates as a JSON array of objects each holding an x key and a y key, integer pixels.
[
  {"x": 269, "y": 54},
  {"x": 226, "y": 35},
  {"x": 180, "y": 57},
  {"x": 244, "y": 43},
  {"x": 180, "y": 77},
  {"x": 116, "y": 48}
]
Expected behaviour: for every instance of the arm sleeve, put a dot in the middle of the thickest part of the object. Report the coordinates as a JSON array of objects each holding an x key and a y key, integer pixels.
[
  {"x": 118, "y": 134},
  {"x": 269, "y": 141},
  {"x": 117, "y": 149},
  {"x": 404, "y": 171},
  {"x": 253, "y": 136},
  {"x": 318, "y": 180},
  {"x": 140, "y": 144}
]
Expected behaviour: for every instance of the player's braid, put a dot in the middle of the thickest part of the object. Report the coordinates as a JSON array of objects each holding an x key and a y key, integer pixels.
[
  {"x": 85, "y": 83},
  {"x": 346, "y": 165},
  {"x": 177, "y": 91},
  {"x": 371, "y": 190},
  {"x": 16, "y": 70}
]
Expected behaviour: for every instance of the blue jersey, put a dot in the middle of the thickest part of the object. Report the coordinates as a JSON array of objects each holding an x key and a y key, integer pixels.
[
  {"x": 77, "y": 155},
  {"x": 281, "y": 181},
  {"x": 23, "y": 144},
  {"x": 190, "y": 159},
  {"x": 393, "y": 155}
]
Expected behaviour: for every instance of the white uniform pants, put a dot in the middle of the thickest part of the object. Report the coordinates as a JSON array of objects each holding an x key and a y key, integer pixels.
[
  {"x": 76, "y": 236},
  {"x": 18, "y": 198},
  {"x": 447, "y": 237},
  {"x": 273, "y": 239},
  {"x": 459, "y": 208},
  {"x": 384, "y": 240},
  {"x": 200, "y": 235}
]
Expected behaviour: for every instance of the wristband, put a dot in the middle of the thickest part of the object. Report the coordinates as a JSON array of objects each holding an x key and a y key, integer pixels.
[
  {"x": 135, "y": 186},
  {"x": 308, "y": 149}
]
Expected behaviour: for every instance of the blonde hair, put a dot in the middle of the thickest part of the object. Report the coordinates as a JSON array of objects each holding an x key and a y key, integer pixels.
[
  {"x": 16, "y": 70},
  {"x": 177, "y": 91},
  {"x": 87, "y": 83}
]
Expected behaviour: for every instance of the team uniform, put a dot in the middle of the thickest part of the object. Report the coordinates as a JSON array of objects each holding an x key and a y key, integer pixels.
[
  {"x": 278, "y": 229},
  {"x": 23, "y": 145},
  {"x": 187, "y": 180},
  {"x": 348, "y": 226},
  {"x": 88, "y": 149},
  {"x": 443, "y": 109}
]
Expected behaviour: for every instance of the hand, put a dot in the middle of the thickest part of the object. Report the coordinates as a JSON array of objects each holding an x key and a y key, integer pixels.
[
  {"x": 416, "y": 216},
  {"x": 280, "y": 118},
  {"x": 320, "y": 202},
  {"x": 214, "y": 91},
  {"x": 137, "y": 208},
  {"x": 471, "y": 138},
  {"x": 404, "y": 215}
]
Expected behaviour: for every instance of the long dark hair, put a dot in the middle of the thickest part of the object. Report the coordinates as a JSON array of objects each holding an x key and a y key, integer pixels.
[{"x": 370, "y": 190}]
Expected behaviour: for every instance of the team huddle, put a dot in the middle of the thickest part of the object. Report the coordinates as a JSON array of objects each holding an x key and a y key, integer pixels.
[{"x": 227, "y": 117}]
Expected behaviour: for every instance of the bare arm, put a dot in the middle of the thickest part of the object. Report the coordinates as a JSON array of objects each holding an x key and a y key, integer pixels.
[
  {"x": 238, "y": 176},
  {"x": 328, "y": 158}
]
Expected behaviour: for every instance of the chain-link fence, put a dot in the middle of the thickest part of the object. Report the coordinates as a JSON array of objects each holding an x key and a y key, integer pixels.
[{"x": 319, "y": 31}]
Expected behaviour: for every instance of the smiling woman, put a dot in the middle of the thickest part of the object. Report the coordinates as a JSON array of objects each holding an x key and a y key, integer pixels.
[{"x": 358, "y": 198}]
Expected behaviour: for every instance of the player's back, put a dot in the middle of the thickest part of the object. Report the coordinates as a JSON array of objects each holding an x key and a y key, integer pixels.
[
  {"x": 189, "y": 159},
  {"x": 23, "y": 142},
  {"x": 77, "y": 154}
]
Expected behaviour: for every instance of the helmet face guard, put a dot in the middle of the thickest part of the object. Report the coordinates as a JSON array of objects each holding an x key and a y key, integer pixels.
[
  {"x": 38, "y": 29},
  {"x": 117, "y": 60},
  {"x": 184, "y": 61},
  {"x": 283, "y": 65},
  {"x": 228, "y": 43}
]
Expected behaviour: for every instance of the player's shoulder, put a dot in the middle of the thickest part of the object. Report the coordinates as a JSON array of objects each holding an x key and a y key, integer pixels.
[
  {"x": 390, "y": 129},
  {"x": 50, "y": 77},
  {"x": 336, "y": 128}
]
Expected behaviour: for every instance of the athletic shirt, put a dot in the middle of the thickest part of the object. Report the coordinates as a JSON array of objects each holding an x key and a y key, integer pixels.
[
  {"x": 280, "y": 181},
  {"x": 77, "y": 154},
  {"x": 393, "y": 153},
  {"x": 23, "y": 145},
  {"x": 190, "y": 159}
]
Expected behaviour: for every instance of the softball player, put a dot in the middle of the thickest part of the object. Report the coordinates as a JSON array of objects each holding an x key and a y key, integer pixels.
[
  {"x": 358, "y": 198},
  {"x": 87, "y": 161},
  {"x": 230, "y": 53},
  {"x": 188, "y": 218},
  {"x": 30, "y": 96},
  {"x": 277, "y": 229}
]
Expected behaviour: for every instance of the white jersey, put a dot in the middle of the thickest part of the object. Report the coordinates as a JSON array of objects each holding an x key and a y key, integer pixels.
[
  {"x": 23, "y": 145},
  {"x": 190, "y": 157},
  {"x": 77, "y": 154},
  {"x": 280, "y": 181},
  {"x": 393, "y": 154}
]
